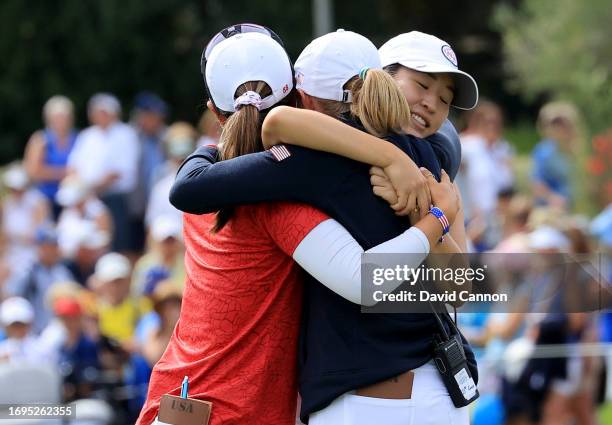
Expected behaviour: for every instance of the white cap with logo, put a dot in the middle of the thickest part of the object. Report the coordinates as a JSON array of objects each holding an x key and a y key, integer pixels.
[
  {"x": 328, "y": 62},
  {"x": 247, "y": 57},
  {"x": 112, "y": 266},
  {"x": 426, "y": 53}
]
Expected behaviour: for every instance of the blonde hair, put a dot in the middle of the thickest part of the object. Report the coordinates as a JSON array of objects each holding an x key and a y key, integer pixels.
[
  {"x": 241, "y": 135},
  {"x": 376, "y": 101}
]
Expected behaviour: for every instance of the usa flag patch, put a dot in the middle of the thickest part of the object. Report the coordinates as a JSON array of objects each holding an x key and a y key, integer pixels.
[{"x": 280, "y": 152}]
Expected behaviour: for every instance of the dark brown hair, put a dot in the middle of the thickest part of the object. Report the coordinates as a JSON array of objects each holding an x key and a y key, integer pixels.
[{"x": 241, "y": 135}]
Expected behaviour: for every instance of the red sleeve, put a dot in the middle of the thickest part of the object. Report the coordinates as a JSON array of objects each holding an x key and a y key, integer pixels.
[{"x": 288, "y": 223}]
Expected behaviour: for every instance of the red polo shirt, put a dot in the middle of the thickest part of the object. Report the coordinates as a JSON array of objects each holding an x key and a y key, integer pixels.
[{"x": 236, "y": 338}]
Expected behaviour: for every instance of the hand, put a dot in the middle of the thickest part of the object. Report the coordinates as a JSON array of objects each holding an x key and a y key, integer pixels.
[
  {"x": 410, "y": 186},
  {"x": 444, "y": 194},
  {"x": 381, "y": 185}
]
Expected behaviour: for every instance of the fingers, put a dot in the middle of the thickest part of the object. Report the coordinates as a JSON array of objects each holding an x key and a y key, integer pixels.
[
  {"x": 400, "y": 205},
  {"x": 423, "y": 202},
  {"x": 411, "y": 205},
  {"x": 376, "y": 180},
  {"x": 385, "y": 193},
  {"x": 377, "y": 171},
  {"x": 427, "y": 174},
  {"x": 444, "y": 178}
]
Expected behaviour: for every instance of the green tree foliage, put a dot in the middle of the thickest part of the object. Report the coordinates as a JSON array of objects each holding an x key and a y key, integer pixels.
[
  {"x": 79, "y": 47},
  {"x": 562, "y": 48}
]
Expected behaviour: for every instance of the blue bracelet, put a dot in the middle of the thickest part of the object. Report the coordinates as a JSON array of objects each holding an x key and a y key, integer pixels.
[{"x": 437, "y": 213}]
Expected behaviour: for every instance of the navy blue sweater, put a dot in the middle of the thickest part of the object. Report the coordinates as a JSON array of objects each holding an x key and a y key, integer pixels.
[{"x": 341, "y": 349}]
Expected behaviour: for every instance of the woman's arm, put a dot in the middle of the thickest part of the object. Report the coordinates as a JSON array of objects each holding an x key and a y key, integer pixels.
[
  {"x": 332, "y": 256},
  {"x": 34, "y": 161},
  {"x": 317, "y": 131},
  {"x": 204, "y": 185}
]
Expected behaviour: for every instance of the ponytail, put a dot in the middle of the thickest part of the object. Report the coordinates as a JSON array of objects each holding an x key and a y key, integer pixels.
[
  {"x": 378, "y": 103},
  {"x": 241, "y": 135}
]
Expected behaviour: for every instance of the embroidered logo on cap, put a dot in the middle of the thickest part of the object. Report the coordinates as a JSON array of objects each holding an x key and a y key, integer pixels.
[
  {"x": 285, "y": 88},
  {"x": 449, "y": 54}
]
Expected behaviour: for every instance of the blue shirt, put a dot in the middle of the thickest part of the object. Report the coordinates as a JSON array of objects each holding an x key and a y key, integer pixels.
[
  {"x": 551, "y": 167},
  {"x": 55, "y": 156}
]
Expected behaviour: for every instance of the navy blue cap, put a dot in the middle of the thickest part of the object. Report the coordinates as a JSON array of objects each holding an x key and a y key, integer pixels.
[{"x": 150, "y": 102}]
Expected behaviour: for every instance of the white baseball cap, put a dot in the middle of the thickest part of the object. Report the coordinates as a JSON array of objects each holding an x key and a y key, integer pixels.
[
  {"x": 547, "y": 237},
  {"x": 72, "y": 190},
  {"x": 328, "y": 62},
  {"x": 16, "y": 309},
  {"x": 16, "y": 177},
  {"x": 245, "y": 57},
  {"x": 112, "y": 266},
  {"x": 166, "y": 226},
  {"x": 426, "y": 53}
]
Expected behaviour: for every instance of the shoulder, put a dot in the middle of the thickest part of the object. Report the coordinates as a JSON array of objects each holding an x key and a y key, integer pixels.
[
  {"x": 125, "y": 130},
  {"x": 287, "y": 210},
  {"x": 288, "y": 223},
  {"x": 38, "y": 138}
]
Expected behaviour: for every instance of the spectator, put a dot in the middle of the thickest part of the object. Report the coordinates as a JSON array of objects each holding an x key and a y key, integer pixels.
[
  {"x": 551, "y": 174},
  {"x": 118, "y": 312},
  {"x": 82, "y": 245},
  {"x": 167, "y": 305},
  {"x": 209, "y": 129},
  {"x": 149, "y": 116},
  {"x": 485, "y": 172},
  {"x": 23, "y": 211},
  {"x": 47, "y": 150},
  {"x": 78, "y": 355},
  {"x": 150, "y": 320},
  {"x": 166, "y": 253},
  {"x": 105, "y": 157},
  {"x": 17, "y": 315},
  {"x": 34, "y": 283},
  {"x": 179, "y": 142},
  {"x": 514, "y": 229},
  {"x": 80, "y": 204},
  {"x": 486, "y": 167}
]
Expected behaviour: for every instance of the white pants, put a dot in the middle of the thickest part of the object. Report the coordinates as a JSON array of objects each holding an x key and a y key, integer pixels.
[{"x": 430, "y": 405}]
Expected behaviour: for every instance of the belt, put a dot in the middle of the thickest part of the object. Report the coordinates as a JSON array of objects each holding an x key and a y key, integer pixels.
[{"x": 399, "y": 387}]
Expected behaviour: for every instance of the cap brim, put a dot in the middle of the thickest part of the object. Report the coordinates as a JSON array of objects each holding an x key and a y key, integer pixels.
[{"x": 466, "y": 89}]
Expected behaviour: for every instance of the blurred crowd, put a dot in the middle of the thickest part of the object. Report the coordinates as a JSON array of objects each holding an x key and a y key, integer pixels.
[
  {"x": 92, "y": 272},
  {"x": 92, "y": 269},
  {"x": 533, "y": 361}
]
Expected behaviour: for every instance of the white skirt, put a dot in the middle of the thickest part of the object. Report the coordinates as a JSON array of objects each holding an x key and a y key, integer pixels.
[{"x": 430, "y": 405}]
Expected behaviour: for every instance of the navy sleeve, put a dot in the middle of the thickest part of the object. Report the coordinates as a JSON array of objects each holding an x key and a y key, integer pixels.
[
  {"x": 447, "y": 147},
  {"x": 204, "y": 185}
]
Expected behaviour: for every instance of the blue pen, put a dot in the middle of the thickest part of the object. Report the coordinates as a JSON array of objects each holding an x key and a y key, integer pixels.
[{"x": 184, "y": 387}]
